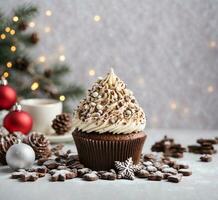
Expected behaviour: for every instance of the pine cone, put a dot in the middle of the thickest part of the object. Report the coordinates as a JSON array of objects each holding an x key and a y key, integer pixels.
[
  {"x": 62, "y": 123},
  {"x": 34, "y": 38},
  {"x": 48, "y": 73},
  {"x": 22, "y": 26},
  {"x": 21, "y": 63},
  {"x": 6, "y": 141},
  {"x": 40, "y": 144}
]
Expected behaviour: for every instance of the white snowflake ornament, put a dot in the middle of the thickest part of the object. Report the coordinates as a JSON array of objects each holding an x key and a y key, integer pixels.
[{"x": 126, "y": 169}]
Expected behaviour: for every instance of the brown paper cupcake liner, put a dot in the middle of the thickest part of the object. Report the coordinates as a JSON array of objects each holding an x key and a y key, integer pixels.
[{"x": 99, "y": 152}]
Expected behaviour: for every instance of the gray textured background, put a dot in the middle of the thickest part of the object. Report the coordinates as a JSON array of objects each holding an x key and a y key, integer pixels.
[{"x": 166, "y": 50}]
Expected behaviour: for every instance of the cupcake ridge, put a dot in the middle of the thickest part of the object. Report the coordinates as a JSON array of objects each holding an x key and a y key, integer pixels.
[{"x": 109, "y": 107}]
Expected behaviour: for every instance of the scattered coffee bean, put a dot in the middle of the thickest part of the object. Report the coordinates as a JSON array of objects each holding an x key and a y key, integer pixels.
[
  {"x": 206, "y": 141},
  {"x": 41, "y": 161},
  {"x": 61, "y": 167},
  {"x": 107, "y": 175},
  {"x": 151, "y": 168},
  {"x": 166, "y": 175},
  {"x": 157, "y": 176},
  {"x": 175, "y": 178},
  {"x": 83, "y": 171},
  {"x": 164, "y": 166},
  {"x": 206, "y": 158},
  {"x": 142, "y": 173},
  {"x": 157, "y": 164},
  {"x": 57, "y": 149},
  {"x": 51, "y": 164},
  {"x": 168, "y": 161},
  {"x": 169, "y": 170},
  {"x": 149, "y": 157},
  {"x": 181, "y": 166},
  {"x": 91, "y": 176},
  {"x": 76, "y": 165},
  {"x": 185, "y": 172},
  {"x": 147, "y": 163}
]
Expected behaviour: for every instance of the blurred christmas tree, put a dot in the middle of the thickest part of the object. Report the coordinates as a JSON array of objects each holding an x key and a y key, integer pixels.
[{"x": 28, "y": 77}]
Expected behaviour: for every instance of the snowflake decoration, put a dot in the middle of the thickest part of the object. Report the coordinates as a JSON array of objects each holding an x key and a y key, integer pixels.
[{"x": 126, "y": 169}]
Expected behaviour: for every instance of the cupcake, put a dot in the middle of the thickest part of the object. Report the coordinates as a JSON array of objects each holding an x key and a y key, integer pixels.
[{"x": 108, "y": 125}]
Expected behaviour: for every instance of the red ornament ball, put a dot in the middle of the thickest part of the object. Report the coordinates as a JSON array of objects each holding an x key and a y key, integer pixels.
[
  {"x": 18, "y": 121},
  {"x": 8, "y": 97}
]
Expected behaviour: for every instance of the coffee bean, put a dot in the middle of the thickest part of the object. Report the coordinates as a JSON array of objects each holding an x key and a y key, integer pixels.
[
  {"x": 83, "y": 171},
  {"x": 51, "y": 164},
  {"x": 166, "y": 175},
  {"x": 206, "y": 158},
  {"x": 147, "y": 163},
  {"x": 157, "y": 176},
  {"x": 107, "y": 175},
  {"x": 180, "y": 166},
  {"x": 208, "y": 141},
  {"x": 185, "y": 172},
  {"x": 149, "y": 157},
  {"x": 142, "y": 173},
  {"x": 91, "y": 176},
  {"x": 175, "y": 178},
  {"x": 151, "y": 168},
  {"x": 169, "y": 170}
]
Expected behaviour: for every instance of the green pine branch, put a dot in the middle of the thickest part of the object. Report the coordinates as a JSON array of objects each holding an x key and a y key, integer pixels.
[
  {"x": 24, "y": 70},
  {"x": 26, "y": 12}
]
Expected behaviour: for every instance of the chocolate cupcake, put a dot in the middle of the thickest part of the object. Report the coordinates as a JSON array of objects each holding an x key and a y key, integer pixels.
[{"x": 108, "y": 125}]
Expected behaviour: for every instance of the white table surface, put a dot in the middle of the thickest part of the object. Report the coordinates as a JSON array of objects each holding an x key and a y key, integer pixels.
[{"x": 202, "y": 185}]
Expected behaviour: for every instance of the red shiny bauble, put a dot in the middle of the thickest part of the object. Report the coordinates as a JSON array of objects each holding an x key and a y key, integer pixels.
[
  {"x": 8, "y": 97},
  {"x": 18, "y": 120}
]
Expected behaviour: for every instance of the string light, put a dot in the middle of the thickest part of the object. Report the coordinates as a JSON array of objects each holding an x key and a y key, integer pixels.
[
  {"x": 62, "y": 98},
  {"x": 32, "y": 24},
  {"x": 12, "y": 32},
  {"x": 212, "y": 44},
  {"x": 141, "y": 81},
  {"x": 3, "y": 36},
  {"x": 6, "y": 74},
  {"x": 62, "y": 58},
  {"x": 13, "y": 48},
  {"x": 186, "y": 110},
  {"x": 34, "y": 86},
  {"x": 173, "y": 105},
  {"x": 154, "y": 119},
  {"x": 61, "y": 48},
  {"x": 42, "y": 59},
  {"x": 97, "y": 18},
  {"x": 9, "y": 64},
  {"x": 15, "y": 19},
  {"x": 47, "y": 29},
  {"x": 91, "y": 72},
  {"x": 48, "y": 12},
  {"x": 7, "y": 29},
  {"x": 210, "y": 88}
]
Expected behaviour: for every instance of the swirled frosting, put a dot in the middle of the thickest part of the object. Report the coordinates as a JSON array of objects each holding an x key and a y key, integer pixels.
[{"x": 109, "y": 107}]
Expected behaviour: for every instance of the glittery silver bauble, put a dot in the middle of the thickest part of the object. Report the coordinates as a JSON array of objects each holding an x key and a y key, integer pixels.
[{"x": 20, "y": 156}]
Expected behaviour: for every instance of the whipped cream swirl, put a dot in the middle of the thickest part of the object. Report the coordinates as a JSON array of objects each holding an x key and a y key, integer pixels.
[{"x": 109, "y": 107}]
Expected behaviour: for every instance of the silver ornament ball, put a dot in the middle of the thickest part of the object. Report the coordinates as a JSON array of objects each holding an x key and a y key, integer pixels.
[{"x": 20, "y": 156}]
